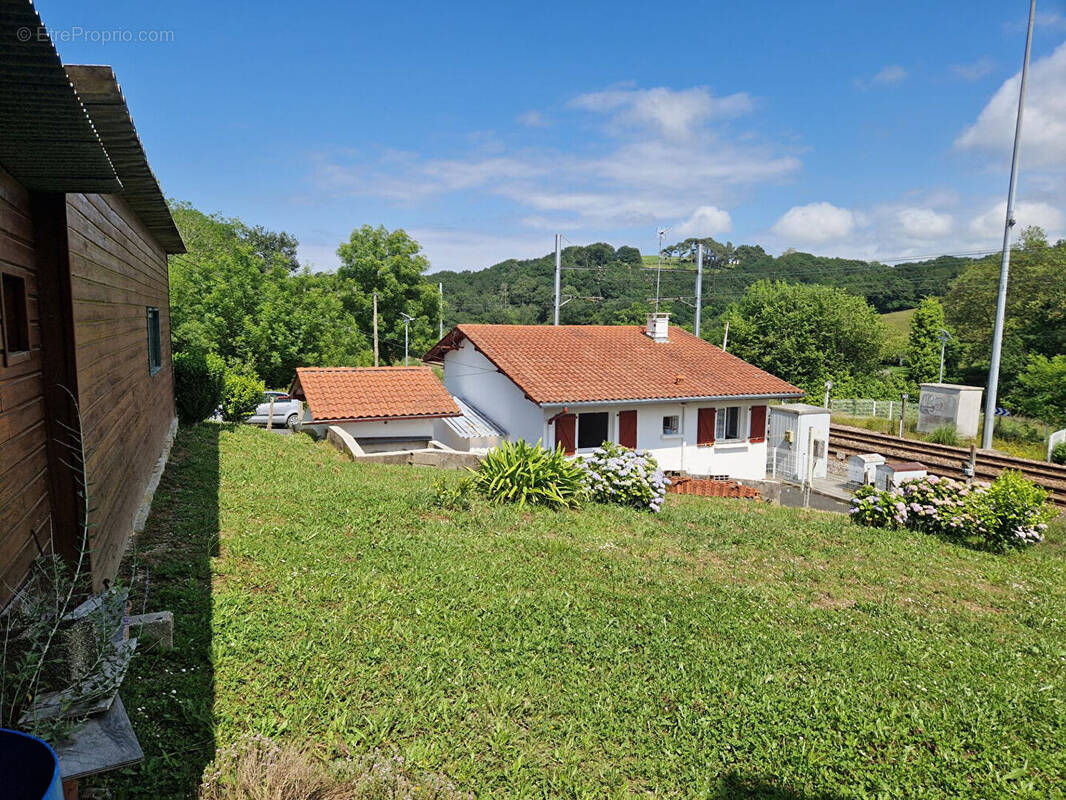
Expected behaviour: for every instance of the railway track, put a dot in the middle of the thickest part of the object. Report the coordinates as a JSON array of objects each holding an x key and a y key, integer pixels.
[{"x": 947, "y": 461}]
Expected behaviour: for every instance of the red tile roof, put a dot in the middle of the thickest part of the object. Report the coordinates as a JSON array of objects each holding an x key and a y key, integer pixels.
[
  {"x": 587, "y": 363},
  {"x": 365, "y": 393}
]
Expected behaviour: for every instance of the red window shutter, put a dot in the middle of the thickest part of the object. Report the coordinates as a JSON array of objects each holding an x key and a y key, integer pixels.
[
  {"x": 758, "y": 423},
  {"x": 705, "y": 421},
  {"x": 565, "y": 433},
  {"x": 627, "y": 429}
]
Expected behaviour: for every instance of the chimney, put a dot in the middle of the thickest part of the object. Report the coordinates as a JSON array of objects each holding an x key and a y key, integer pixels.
[{"x": 658, "y": 327}]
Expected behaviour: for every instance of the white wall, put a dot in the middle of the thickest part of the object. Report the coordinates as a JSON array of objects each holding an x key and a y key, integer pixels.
[
  {"x": 739, "y": 459},
  {"x": 396, "y": 429},
  {"x": 471, "y": 376}
]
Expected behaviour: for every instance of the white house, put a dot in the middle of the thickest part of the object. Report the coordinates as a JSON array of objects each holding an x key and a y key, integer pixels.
[
  {"x": 383, "y": 408},
  {"x": 696, "y": 408}
]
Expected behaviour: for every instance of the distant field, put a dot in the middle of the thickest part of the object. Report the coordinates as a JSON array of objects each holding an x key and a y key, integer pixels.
[{"x": 899, "y": 320}]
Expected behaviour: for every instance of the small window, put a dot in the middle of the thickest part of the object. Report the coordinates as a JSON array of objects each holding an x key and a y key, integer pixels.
[
  {"x": 15, "y": 319},
  {"x": 728, "y": 423},
  {"x": 591, "y": 429},
  {"x": 155, "y": 346},
  {"x": 671, "y": 425}
]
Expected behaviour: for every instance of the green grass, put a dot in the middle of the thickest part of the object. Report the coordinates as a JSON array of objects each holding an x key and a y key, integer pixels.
[
  {"x": 897, "y": 332},
  {"x": 720, "y": 649}
]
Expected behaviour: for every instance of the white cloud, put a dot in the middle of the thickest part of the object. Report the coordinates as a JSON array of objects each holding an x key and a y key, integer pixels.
[
  {"x": 705, "y": 221},
  {"x": 679, "y": 161},
  {"x": 816, "y": 223},
  {"x": 887, "y": 76},
  {"x": 975, "y": 71},
  {"x": 989, "y": 225},
  {"x": 465, "y": 249},
  {"x": 1044, "y": 124},
  {"x": 924, "y": 223},
  {"x": 533, "y": 119},
  {"x": 671, "y": 112}
]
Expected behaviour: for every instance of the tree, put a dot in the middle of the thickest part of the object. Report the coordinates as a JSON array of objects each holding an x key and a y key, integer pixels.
[
  {"x": 234, "y": 295},
  {"x": 1035, "y": 321},
  {"x": 391, "y": 264},
  {"x": 1041, "y": 390},
  {"x": 807, "y": 334},
  {"x": 923, "y": 345}
]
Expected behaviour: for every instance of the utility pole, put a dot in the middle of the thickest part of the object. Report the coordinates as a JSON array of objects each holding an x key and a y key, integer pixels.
[
  {"x": 659, "y": 269},
  {"x": 1004, "y": 269},
  {"x": 406, "y": 324},
  {"x": 440, "y": 312},
  {"x": 375, "y": 329},
  {"x": 828, "y": 388},
  {"x": 725, "y": 338},
  {"x": 699, "y": 286},
  {"x": 558, "y": 272}
]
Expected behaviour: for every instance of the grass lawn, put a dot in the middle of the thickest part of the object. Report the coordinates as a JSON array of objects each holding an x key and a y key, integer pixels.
[{"x": 720, "y": 649}]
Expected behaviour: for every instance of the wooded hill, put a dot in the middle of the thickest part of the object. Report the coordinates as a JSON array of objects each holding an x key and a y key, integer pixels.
[{"x": 521, "y": 291}]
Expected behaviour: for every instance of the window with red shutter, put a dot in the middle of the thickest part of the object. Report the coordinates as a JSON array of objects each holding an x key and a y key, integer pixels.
[
  {"x": 758, "y": 423},
  {"x": 705, "y": 421},
  {"x": 627, "y": 429},
  {"x": 565, "y": 430}
]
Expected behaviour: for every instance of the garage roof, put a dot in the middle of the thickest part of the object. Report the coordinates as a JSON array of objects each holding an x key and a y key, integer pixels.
[{"x": 348, "y": 394}]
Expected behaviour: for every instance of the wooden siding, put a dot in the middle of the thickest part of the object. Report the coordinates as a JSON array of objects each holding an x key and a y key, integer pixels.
[
  {"x": 25, "y": 506},
  {"x": 117, "y": 271}
]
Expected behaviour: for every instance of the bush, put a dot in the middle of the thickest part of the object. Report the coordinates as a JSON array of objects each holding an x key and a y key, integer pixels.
[
  {"x": 198, "y": 382},
  {"x": 616, "y": 474},
  {"x": 945, "y": 434},
  {"x": 529, "y": 475},
  {"x": 1058, "y": 453},
  {"x": 453, "y": 495},
  {"x": 241, "y": 393},
  {"x": 1017, "y": 430},
  {"x": 1012, "y": 512}
]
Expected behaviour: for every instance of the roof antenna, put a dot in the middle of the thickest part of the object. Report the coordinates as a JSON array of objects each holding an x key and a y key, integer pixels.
[{"x": 659, "y": 269}]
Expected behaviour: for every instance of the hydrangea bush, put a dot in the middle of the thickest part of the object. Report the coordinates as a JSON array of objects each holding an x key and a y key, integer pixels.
[
  {"x": 616, "y": 474},
  {"x": 1011, "y": 512}
]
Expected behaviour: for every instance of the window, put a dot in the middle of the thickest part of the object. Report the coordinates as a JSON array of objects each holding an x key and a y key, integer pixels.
[
  {"x": 15, "y": 318},
  {"x": 591, "y": 429},
  {"x": 155, "y": 346},
  {"x": 671, "y": 425},
  {"x": 728, "y": 423}
]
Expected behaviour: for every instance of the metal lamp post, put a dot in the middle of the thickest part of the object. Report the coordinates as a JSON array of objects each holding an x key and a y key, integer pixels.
[
  {"x": 407, "y": 319},
  {"x": 944, "y": 337}
]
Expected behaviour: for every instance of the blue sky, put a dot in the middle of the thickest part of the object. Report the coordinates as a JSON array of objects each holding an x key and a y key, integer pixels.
[{"x": 874, "y": 130}]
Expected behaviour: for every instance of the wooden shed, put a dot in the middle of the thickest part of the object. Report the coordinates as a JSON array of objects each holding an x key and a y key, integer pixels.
[{"x": 84, "y": 307}]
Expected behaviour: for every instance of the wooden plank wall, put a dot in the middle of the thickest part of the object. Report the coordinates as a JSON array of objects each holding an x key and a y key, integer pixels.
[
  {"x": 25, "y": 506},
  {"x": 117, "y": 270}
]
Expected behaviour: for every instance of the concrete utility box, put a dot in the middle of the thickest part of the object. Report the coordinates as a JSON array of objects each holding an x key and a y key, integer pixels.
[
  {"x": 950, "y": 404},
  {"x": 792, "y": 427},
  {"x": 892, "y": 474},
  {"x": 862, "y": 468}
]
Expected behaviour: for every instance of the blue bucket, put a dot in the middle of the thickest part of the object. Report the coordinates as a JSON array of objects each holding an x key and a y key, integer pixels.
[{"x": 29, "y": 769}]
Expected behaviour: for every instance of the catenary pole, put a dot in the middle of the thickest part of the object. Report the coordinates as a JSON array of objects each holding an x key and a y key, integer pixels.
[
  {"x": 1004, "y": 269},
  {"x": 558, "y": 272},
  {"x": 699, "y": 286},
  {"x": 375, "y": 329}
]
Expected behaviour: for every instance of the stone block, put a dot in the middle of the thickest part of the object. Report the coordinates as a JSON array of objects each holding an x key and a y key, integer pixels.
[{"x": 155, "y": 629}]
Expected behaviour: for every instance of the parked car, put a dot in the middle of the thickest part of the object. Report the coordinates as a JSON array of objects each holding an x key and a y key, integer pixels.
[{"x": 286, "y": 410}]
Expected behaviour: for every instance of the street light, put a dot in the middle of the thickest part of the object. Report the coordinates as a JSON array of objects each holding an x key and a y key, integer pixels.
[
  {"x": 828, "y": 386},
  {"x": 407, "y": 319},
  {"x": 944, "y": 337}
]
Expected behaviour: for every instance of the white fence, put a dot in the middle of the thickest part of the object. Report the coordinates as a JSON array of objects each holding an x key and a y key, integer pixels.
[
  {"x": 1054, "y": 440},
  {"x": 863, "y": 407}
]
